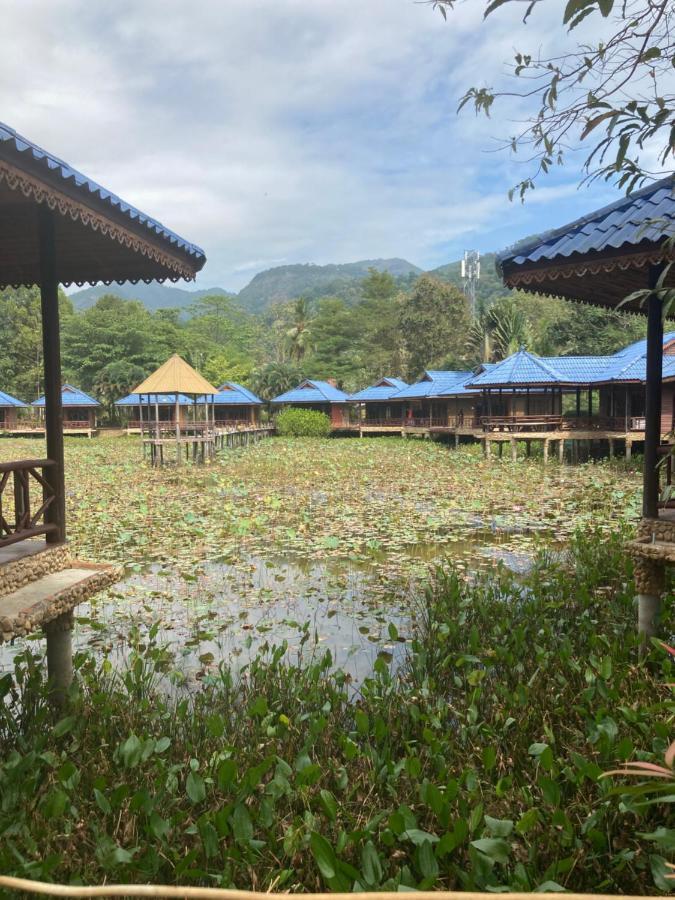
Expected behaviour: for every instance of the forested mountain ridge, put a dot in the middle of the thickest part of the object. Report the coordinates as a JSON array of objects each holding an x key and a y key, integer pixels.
[
  {"x": 341, "y": 280},
  {"x": 268, "y": 287},
  {"x": 153, "y": 296}
]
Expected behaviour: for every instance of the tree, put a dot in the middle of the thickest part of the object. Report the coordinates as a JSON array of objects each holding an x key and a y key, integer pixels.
[
  {"x": 434, "y": 320},
  {"x": 299, "y": 333},
  {"x": 335, "y": 334},
  {"x": 613, "y": 96},
  {"x": 116, "y": 380},
  {"x": 275, "y": 378},
  {"x": 380, "y": 346}
]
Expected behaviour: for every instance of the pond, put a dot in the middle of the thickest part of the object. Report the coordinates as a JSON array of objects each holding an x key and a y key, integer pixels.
[{"x": 322, "y": 544}]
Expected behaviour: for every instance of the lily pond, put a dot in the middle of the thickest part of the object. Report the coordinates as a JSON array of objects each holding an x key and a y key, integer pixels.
[{"x": 316, "y": 543}]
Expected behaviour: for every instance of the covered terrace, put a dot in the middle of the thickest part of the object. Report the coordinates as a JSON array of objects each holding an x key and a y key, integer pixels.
[
  {"x": 620, "y": 256},
  {"x": 59, "y": 227}
]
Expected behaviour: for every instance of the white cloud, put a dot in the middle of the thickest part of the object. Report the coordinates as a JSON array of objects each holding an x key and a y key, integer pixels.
[{"x": 274, "y": 131}]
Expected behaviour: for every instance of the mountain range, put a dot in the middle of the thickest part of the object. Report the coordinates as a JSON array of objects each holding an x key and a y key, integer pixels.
[{"x": 283, "y": 283}]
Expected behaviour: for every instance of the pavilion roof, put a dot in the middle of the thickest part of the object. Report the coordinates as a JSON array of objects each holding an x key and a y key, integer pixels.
[
  {"x": 71, "y": 396},
  {"x": 384, "y": 389},
  {"x": 232, "y": 394},
  {"x": 9, "y": 402},
  {"x": 99, "y": 237},
  {"x": 175, "y": 376},
  {"x": 601, "y": 257},
  {"x": 312, "y": 391}
]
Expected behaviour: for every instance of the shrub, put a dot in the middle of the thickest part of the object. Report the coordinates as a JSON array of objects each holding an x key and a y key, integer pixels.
[{"x": 303, "y": 423}]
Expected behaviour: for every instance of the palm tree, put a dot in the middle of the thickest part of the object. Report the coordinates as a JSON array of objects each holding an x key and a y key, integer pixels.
[
  {"x": 274, "y": 378},
  {"x": 510, "y": 329},
  {"x": 299, "y": 334}
]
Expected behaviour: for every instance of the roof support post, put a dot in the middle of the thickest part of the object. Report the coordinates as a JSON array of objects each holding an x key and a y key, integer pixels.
[
  {"x": 51, "y": 349},
  {"x": 650, "y": 477}
]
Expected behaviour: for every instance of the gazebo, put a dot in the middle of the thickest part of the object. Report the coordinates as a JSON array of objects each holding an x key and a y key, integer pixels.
[
  {"x": 59, "y": 227},
  {"x": 619, "y": 256},
  {"x": 193, "y": 437}
]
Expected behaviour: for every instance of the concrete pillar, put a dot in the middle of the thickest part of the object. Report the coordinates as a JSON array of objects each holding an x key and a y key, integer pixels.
[
  {"x": 629, "y": 448},
  {"x": 488, "y": 448},
  {"x": 456, "y": 440},
  {"x": 649, "y": 612},
  {"x": 546, "y": 442},
  {"x": 611, "y": 448},
  {"x": 59, "y": 656},
  {"x": 561, "y": 451},
  {"x": 514, "y": 450}
]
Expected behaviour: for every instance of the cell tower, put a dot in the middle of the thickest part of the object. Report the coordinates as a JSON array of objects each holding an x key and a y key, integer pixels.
[{"x": 471, "y": 276}]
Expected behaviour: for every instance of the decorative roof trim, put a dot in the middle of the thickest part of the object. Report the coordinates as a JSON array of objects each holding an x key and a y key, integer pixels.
[
  {"x": 35, "y": 189},
  {"x": 537, "y": 274}
]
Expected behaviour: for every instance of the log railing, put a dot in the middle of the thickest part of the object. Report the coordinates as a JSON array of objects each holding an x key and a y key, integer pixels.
[{"x": 24, "y": 521}]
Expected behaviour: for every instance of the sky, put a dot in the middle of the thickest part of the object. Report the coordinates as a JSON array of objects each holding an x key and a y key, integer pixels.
[{"x": 272, "y": 132}]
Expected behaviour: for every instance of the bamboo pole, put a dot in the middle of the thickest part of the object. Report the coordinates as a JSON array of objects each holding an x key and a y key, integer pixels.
[{"x": 200, "y": 893}]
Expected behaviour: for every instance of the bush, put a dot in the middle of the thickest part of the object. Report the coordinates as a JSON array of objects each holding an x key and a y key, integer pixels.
[{"x": 303, "y": 423}]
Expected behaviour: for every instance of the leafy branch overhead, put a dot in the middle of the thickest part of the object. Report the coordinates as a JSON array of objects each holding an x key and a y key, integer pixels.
[{"x": 612, "y": 95}]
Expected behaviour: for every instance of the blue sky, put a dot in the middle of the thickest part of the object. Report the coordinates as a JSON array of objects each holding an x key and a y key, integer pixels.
[{"x": 283, "y": 131}]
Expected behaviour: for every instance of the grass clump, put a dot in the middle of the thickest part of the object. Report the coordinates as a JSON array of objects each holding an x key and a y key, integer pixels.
[
  {"x": 477, "y": 766},
  {"x": 303, "y": 423}
]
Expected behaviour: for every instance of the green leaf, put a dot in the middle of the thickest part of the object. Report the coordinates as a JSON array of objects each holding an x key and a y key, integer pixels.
[
  {"x": 371, "y": 867},
  {"x": 418, "y": 837},
  {"x": 495, "y": 848},
  {"x": 499, "y": 827},
  {"x": 324, "y": 855},
  {"x": 242, "y": 826},
  {"x": 195, "y": 787},
  {"x": 426, "y": 860}
]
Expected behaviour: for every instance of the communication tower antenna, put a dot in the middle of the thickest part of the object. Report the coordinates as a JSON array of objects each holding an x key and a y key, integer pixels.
[{"x": 471, "y": 276}]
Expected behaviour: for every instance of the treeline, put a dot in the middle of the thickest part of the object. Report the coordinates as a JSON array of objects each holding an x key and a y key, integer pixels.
[{"x": 108, "y": 348}]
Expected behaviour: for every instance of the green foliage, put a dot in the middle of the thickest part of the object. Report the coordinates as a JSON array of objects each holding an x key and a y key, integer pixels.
[
  {"x": 434, "y": 320},
  {"x": 477, "y": 767},
  {"x": 302, "y": 423},
  {"x": 275, "y": 378}
]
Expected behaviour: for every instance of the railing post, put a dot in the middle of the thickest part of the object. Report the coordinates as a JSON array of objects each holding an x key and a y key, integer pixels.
[
  {"x": 51, "y": 344},
  {"x": 21, "y": 498}
]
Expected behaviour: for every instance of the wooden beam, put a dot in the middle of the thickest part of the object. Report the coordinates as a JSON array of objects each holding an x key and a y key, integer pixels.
[
  {"x": 650, "y": 475},
  {"x": 51, "y": 345}
]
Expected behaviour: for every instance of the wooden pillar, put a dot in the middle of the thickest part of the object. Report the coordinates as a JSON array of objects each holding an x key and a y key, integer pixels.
[
  {"x": 51, "y": 346},
  {"x": 514, "y": 449},
  {"x": 611, "y": 448},
  {"x": 650, "y": 492},
  {"x": 578, "y": 402}
]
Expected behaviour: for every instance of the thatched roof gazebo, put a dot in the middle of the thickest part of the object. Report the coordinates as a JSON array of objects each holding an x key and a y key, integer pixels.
[
  {"x": 195, "y": 436},
  {"x": 624, "y": 250},
  {"x": 59, "y": 227}
]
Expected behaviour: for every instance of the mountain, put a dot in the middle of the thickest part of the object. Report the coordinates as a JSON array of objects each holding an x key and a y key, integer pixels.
[
  {"x": 152, "y": 296},
  {"x": 308, "y": 280},
  {"x": 489, "y": 286}
]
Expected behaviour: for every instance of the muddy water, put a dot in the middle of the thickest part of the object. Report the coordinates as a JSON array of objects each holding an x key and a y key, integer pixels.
[{"x": 227, "y": 611}]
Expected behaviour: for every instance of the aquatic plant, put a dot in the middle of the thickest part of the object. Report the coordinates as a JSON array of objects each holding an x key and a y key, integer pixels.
[
  {"x": 302, "y": 423},
  {"x": 477, "y": 766}
]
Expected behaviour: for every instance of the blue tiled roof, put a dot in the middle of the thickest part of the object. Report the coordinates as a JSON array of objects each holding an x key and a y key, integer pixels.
[
  {"x": 519, "y": 368},
  {"x": 71, "y": 396},
  {"x": 76, "y": 179},
  {"x": 434, "y": 383},
  {"x": 152, "y": 399},
  {"x": 384, "y": 389},
  {"x": 648, "y": 215},
  {"x": 7, "y": 401},
  {"x": 628, "y": 364},
  {"x": 232, "y": 394},
  {"x": 312, "y": 391}
]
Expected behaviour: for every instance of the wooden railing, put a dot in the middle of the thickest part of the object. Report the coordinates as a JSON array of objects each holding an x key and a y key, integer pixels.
[
  {"x": 24, "y": 522},
  {"x": 563, "y": 423}
]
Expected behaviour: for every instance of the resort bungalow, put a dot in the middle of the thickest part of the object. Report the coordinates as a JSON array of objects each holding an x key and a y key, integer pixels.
[
  {"x": 235, "y": 406},
  {"x": 603, "y": 393},
  {"x": 318, "y": 395},
  {"x": 137, "y": 408},
  {"x": 79, "y": 411},
  {"x": 374, "y": 404},
  {"x": 437, "y": 400},
  {"x": 9, "y": 408}
]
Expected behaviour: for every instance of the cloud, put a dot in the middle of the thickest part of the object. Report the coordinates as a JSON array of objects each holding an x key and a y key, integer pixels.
[{"x": 282, "y": 130}]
